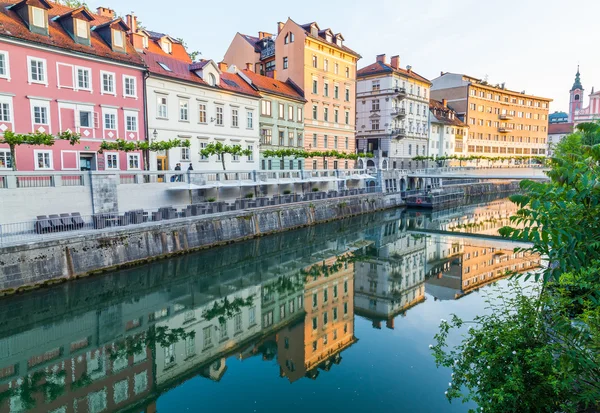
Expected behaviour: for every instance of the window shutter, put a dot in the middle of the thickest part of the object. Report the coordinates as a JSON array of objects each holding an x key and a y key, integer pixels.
[{"x": 96, "y": 120}]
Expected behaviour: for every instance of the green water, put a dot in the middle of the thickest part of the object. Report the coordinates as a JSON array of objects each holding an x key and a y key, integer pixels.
[{"x": 333, "y": 317}]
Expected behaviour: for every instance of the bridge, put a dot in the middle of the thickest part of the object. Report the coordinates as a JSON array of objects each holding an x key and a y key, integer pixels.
[{"x": 480, "y": 173}]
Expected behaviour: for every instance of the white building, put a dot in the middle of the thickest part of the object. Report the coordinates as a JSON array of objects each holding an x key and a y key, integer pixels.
[
  {"x": 392, "y": 114},
  {"x": 201, "y": 102},
  {"x": 556, "y": 133},
  {"x": 448, "y": 133}
]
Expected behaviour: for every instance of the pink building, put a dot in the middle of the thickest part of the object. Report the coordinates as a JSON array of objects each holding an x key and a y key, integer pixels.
[{"x": 65, "y": 69}]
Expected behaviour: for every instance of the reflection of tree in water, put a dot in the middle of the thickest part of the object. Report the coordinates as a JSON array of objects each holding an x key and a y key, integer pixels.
[
  {"x": 226, "y": 309},
  {"x": 341, "y": 261},
  {"x": 137, "y": 344},
  {"x": 50, "y": 384}
]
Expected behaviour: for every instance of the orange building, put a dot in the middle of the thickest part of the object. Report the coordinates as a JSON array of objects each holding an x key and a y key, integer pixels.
[{"x": 319, "y": 63}]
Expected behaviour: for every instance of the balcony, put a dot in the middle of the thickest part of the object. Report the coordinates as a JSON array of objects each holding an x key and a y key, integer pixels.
[
  {"x": 505, "y": 129},
  {"x": 398, "y": 112},
  {"x": 267, "y": 52},
  {"x": 400, "y": 92},
  {"x": 399, "y": 133},
  {"x": 505, "y": 117}
]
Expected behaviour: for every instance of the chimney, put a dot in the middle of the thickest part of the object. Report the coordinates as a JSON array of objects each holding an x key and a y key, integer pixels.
[
  {"x": 222, "y": 66},
  {"x": 250, "y": 67},
  {"x": 381, "y": 58},
  {"x": 445, "y": 103},
  {"x": 131, "y": 20},
  {"x": 409, "y": 69},
  {"x": 262, "y": 35},
  {"x": 279, "y": 27},
  {"x": 105, "y": 12},
  {"x": 390, "y": 324},
  {"x": 396, "y": 62},
  {"x": 441, "y": 73}
]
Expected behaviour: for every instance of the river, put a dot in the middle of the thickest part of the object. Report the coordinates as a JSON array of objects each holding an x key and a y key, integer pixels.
[{"x": 336, "y": 316}]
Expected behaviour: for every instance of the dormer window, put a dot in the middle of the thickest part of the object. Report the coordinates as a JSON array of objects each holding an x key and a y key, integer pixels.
[
  {"x": 314, "y": 31},
  {"x": 212, "y": 80},
  {"x": 167, "y": 46},
  {"x": 81, "y": 29},
  {"x": 118, "y": 40},
  {"x": 38, "y": 17},
  {"x": 338, "y": 41},
  {"x": 145, "y": 42},
  {"x": 328, "y": 38}
]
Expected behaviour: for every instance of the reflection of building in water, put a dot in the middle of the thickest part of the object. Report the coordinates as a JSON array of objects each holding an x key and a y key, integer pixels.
[
  {"x": 442, "y": 252},
  {"x": 477, "y": 266},
  {"x": 328, "y": 326},
  {"x": 390, "y": 276}
]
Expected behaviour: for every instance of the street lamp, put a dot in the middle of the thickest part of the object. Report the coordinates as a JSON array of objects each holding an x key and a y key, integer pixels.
[{"x": 155, "y": 134}]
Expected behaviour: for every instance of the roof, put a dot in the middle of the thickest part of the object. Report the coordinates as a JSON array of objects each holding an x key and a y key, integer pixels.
[
  {"x": 435, "y": 106},
  {"x": 557, "y": 115},
  {"x": 577, "y": 84},
  {"x": 12, "y": 26},
  {"x": 177, "y": 50},
  {"x": 277, "y": 87},
  {"x": 560, "y": 128},
  {"x": 252, "y": 40},
  {"x": 184, "y": 71},
  {"x": 380, "y": 67},
  {"x": 321, "y": 37}
]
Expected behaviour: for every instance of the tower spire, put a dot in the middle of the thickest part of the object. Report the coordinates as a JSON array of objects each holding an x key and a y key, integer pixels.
[{"x": 577, "y": 84}]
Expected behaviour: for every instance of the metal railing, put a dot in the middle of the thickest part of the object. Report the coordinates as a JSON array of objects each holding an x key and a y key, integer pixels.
[{"x": 70, "y": 225}]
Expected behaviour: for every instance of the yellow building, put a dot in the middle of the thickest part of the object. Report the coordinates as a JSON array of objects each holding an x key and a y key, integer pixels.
[
  {"x": 319, "y": 63},
  {"x": 501, "y": 122}
]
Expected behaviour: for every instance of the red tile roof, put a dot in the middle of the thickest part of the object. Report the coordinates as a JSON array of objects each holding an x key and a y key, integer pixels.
[
  {"x": 182, "y": 70},
  {"x": 560, "y": 128},
  {"x": 177, "y": 49},
  {"x": 441, "y": 113},
  {"x": 380, "y": 67},
  {"x": 276, "y": 87},
  {"x": 12, "y": 26},
  {"x": 321, "y": 37}
]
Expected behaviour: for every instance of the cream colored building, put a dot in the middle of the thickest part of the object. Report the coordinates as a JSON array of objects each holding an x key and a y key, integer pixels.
[{"x": 501, "y": 122}]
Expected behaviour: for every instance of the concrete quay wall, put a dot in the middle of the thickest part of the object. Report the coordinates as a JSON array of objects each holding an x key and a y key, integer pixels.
[{"x": 43, "y": 263}]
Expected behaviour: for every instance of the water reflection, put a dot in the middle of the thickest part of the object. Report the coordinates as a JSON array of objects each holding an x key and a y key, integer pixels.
[{"x": 123, "y": 340}]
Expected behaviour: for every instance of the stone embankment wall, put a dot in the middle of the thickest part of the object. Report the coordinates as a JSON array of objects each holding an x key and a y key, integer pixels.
[
  {"x": 52, "y": 261},
  {"x": 485, "y": 188}
]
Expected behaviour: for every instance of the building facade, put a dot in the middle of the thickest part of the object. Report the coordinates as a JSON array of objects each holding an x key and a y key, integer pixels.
[
  {"x": 319, "y": 63},
  {"x": 392, "y": 109},
  {"x": 556, "y": 133},
  {"x": 448, "y": 134},
  {"x": 558, "y": 117},
  {"x": 281, "y": 119},
  {"x": 577, "y": 112},
  {"x": 199, "y": 101},
  {"x": 501, "y": 122},
  {"x": 67, "y": 69}
]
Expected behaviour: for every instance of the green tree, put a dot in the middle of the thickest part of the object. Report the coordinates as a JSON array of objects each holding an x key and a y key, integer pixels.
[
  {"x": 539, "y": 351},
  {"x": 193, "y": 55},
  {"x": 131, "y": 146},
  {"x": 590, "y": 133},
  {"x": 13, "y": 140},
  {"x": 221, "y": 150},
  {"x": 72, "y": 3}
]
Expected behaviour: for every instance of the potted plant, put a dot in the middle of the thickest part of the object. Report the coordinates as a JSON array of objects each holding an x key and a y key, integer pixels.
[
  {"x": 287, "y": 192},
  {"x": 315, "y": 189},
  {"x": 249, "y": 195},
  {"x": 211, "y": 200}
]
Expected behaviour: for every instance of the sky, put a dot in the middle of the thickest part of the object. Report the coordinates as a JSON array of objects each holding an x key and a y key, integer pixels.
[{"x": 531, "y": 45}]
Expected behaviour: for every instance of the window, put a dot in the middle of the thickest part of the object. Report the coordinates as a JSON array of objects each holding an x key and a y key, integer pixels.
[
  {"x": 290, "y": 113},
  {"x": 129, "y": 86},
  {"x": 190, "y": 346},
  {"x": 347, "y": 97},
  {"x": 345, "y": 308},
  {"x": 81, "y": 28},
  {"x": 234, "y": 118},
  {"x": 315, "y": 86},
  {"x": 325, "y": 295},
  {"x": 326, "y": 89},
  {"x": 162, "y": 107},
  {"x": 326, "y": 65},
  {"x": 375, "y": 124},
  {"x": 220, "y": 115},
  {"x": 314, "y": 61},
  {"x": 314, "y": 112},
  {"x": 183, "y": 110},
  {"x": 314, "y": 140},
  {"x": 335, "y": 291},
  {"x": 375, "y": 105},
  {"x": 131, "y": 123},
  {"x": 266, "y": 107},
  {"x": 164, "y": 66},
  {"x": 5, "y": 112},
  {"x": 40, "y": 115},
  {"x": 346, "y": 287},
  {"x": 267, "y": 135},
  {"x": 281, "y": 111},
  {"x": 112, "y": 161},
  {"x": 43, "y": 159},
  {"x": 325, "y": 318},
  {"x": 335, "y": 314},
  {"x": 299, "y": 118},
  {"x": 285, "y": 62},
  {"x": 336, "y": 113},
  {"x": 299, "y": 142},
  {"x": 290, "y": 138},
  {"x": 326, "y": 114},
  {"x": 347, "y": 117},
  {"x": 250, "y": 120},
  {"x": 207, "y": 334},
  {"x": 37, "y": 70},
  {"x": 110, "y": 121},
  {"x": 281, "y": 139},
  {"x": 39, "y": 17},
  {"x": 83, "y": 78},
  {"x": 347, "y": 72},
  {"x": 347, "y": 143},
  {"x": 223, "y": 329},
  {"x": 315, "y": 323},
  {"x": 375, "y": 85},
  {"x": 108, "y": 82},
  {"x": 201, "y": 112},
  {"x": 118, "y": 38},
  {"x": 237, "y": 323},
  {"x": 325, "y": 141},
  {"x": 4, "y": 67},
  {"x": 133, "y": 161},
  {"x": 169, "y": 355}
]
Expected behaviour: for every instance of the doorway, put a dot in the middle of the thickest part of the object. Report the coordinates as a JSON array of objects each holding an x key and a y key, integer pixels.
[
  {"x": 162, "y": 164},
  {"x": 87, "y": 162}
]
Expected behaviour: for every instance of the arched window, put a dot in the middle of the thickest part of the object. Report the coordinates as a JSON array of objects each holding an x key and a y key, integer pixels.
[
  {"x": 212, "y": 80},
  {"x": 576, "y": 97}
]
